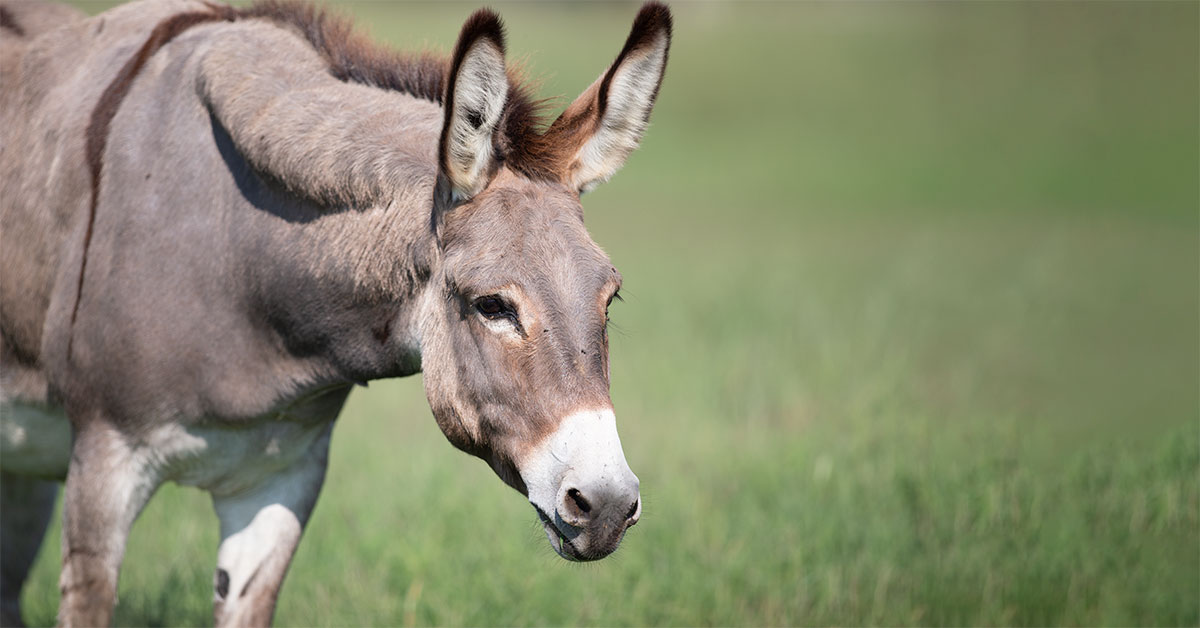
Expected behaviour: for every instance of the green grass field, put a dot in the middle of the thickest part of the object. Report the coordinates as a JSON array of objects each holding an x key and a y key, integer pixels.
[{"x": 910, "y": 337}]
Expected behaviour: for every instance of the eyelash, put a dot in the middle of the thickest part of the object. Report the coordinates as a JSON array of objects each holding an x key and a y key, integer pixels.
[
  {"x": 616, "y": 296},
  {"x": 494, "y": 307}
]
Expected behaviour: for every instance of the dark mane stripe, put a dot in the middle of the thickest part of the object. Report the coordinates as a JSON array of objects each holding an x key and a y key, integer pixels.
[
  {"x": 106, "y": 110},
  {"x": 354, "y": 58},
  {"x": 351, "y": 56}
]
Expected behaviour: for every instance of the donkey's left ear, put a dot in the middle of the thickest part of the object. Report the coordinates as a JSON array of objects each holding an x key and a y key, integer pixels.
[
  {"x": 606, "y": 122},
  {"x": 476, "y": 91}
]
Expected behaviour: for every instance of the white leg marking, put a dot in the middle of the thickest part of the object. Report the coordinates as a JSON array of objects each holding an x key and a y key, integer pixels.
[
  {"x": 246, "y": 551},
  {"x": 260, "y": 530}
]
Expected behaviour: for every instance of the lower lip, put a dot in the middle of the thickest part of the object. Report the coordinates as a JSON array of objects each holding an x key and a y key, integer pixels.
[{"x": 557, "y": 540}]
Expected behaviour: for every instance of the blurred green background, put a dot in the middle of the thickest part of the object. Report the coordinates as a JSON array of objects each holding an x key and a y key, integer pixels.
[{"x": 910, "y": 337}]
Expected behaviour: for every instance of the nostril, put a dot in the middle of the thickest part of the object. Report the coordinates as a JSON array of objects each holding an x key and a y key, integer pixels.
[
  {"x": 580, "y": 503},
  {"x": 632, "y": 510}
]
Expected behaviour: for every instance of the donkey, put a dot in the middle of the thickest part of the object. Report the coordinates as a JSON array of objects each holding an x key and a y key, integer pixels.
[{"x": 216, "y": 221}]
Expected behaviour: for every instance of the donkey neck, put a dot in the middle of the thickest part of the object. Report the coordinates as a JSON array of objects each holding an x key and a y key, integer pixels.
[
  {"x": 340, "y": 144},
  {"x": 350, "y": 172}
]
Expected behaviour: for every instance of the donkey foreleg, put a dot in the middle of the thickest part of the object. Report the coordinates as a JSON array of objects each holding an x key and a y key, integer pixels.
[
  {"x": 260, "y": 529},
  {"x": 108, "y": 483}
]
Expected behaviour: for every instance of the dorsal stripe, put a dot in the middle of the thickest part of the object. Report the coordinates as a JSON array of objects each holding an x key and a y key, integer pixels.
[{"x": 106, "y": 109}]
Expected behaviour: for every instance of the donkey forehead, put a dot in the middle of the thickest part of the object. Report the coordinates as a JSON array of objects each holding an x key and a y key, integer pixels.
[{"x": 532, "y": 236}]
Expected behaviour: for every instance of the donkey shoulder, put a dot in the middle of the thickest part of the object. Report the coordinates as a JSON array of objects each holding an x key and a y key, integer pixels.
[{"x": 53, "y": 76}]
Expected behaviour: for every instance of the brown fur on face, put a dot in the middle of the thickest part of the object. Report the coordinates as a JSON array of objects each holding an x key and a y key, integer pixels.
[{"x": 495, "y": 393}]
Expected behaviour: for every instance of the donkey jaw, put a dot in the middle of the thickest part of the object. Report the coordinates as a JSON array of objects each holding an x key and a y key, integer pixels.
[{"x": 579, "y": 483}]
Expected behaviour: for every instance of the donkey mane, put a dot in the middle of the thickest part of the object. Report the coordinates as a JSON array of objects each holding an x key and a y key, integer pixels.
[{"x": 352, "y": 57}]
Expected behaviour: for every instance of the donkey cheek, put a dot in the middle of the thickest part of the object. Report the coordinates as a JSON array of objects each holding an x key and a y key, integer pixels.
[{"x": 455, "y": 429}]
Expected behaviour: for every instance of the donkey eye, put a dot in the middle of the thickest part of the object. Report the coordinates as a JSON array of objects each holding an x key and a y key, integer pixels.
[{"x": 494, "y": 307}]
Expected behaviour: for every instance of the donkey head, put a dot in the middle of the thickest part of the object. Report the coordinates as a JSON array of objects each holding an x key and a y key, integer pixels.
[{"x": 514, "y": 336}]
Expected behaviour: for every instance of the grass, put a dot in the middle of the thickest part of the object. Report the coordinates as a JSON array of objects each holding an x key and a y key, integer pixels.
[{"x": 910, "y": 337}]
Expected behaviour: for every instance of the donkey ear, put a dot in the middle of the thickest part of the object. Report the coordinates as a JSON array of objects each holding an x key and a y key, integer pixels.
[
  {"x": 606, "y": 122},
  {"x": 476, "y": 90}
]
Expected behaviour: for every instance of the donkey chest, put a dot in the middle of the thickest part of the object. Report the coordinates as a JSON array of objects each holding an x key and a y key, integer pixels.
[
  {"x": 226, "y": 459},
  {"x": 222, "y": 457}
]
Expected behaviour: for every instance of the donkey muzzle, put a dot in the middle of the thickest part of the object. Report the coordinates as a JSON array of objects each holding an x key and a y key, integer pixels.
[{"x": 582, "y": 487}]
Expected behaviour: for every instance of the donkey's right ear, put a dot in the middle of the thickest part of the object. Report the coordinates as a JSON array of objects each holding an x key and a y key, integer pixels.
[{"x": 476, "y": 91}]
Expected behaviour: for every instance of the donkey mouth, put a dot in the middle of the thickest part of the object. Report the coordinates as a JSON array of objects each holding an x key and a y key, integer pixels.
[{"x": 558, "y": 541}]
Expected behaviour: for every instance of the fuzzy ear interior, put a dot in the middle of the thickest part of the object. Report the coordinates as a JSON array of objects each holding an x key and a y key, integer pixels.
[
  {"x": 476, "y": 91},
  {"x": 607, "y": 121}
]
